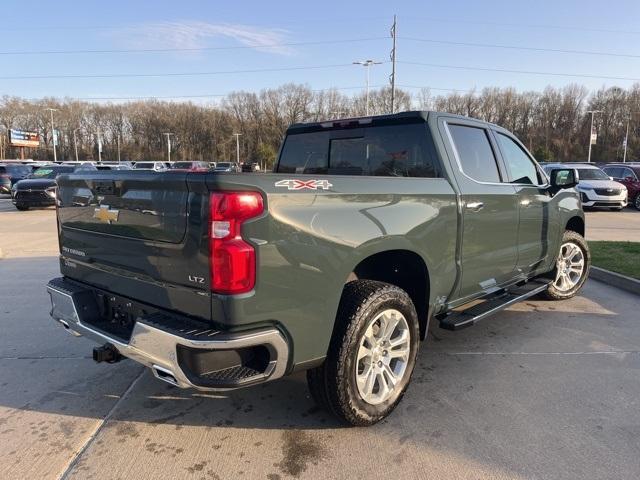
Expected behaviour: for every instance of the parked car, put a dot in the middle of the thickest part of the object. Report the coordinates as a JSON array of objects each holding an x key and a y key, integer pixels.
[
  {"x": 227, "y": 167},
  {"x": 155, "y": 166},
  {"x": 250, "y": 167},
  {"x": 628, "y": 174},
  {"x": 335, "y": 264},
  {"x": 10, "y": 173},
  {"x": 39, "y": 188},
  {"x": 113, "y": 166},
  {"x": 191, "y": 166},
  {"x": 596, "y": 188}
]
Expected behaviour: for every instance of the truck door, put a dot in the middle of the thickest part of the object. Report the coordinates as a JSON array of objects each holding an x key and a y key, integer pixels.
[
  {"x": 537, "y": 222},
  {"x": 489, "y": 208}
]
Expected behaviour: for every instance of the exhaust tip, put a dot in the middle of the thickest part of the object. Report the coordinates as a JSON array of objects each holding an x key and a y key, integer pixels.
[{"x": 165, "y": 375}]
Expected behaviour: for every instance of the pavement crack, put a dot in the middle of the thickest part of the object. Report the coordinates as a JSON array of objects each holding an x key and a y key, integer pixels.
[{"x": 72, "y": 463}]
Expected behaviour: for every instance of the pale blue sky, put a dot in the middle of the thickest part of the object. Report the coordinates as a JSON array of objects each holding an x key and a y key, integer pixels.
[{"x": 588, "y": 25}]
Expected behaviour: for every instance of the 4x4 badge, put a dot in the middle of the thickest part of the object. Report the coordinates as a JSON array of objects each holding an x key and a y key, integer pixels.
[
  {"x": 105, "y": 215},
  {"x": 295, "y": 184}
]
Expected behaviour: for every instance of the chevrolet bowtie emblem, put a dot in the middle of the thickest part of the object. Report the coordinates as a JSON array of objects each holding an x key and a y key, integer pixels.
[{"x": 105, "y": 215}]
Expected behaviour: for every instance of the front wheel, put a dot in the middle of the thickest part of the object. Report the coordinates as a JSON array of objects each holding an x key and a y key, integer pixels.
[
  {"x": 22, "y": 207},
  {"x": 572, "y": 267},
  {"x": 371, "y": 355},
  {"x": 636, "y": 202}
]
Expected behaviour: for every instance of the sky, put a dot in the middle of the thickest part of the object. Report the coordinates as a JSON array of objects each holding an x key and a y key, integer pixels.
[{"x": 118, "y": 49}]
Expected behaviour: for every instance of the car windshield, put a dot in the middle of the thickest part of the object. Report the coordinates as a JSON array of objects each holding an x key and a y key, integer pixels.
[
  {"x": 224, "y": 165},
  {"x": 592, "y": 174},
  {"x": 182, "y": 165},
  {"x": 144, "y": 165},
  {"x": 50, "y": 172},
  {"x": 17, "y": 169}
]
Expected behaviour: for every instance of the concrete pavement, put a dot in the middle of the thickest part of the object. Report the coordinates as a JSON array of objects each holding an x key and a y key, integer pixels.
[
  {"x": 542, "y": 390},
  {"x": 615, "y": 226}
]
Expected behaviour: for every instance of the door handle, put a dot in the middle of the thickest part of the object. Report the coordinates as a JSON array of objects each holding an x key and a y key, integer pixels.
[
  {"x": 475, "y": 206},
  {"x": 525, "y": 202}
]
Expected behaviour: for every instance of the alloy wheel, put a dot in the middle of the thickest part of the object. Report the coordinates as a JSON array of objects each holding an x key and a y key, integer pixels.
[{"x": 569, "y": 266}]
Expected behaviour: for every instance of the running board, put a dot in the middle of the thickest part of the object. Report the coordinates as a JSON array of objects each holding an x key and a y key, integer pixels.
[{"x": 458, "y": 319}]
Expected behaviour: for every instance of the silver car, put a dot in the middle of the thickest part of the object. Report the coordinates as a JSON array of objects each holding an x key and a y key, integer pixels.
[{"x": 597, "y": 189}]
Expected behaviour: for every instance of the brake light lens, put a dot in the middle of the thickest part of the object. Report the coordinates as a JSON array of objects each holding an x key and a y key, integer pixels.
[{"x": 232, "y": 260}]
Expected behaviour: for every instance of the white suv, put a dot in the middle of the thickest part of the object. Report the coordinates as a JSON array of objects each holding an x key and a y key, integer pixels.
[{"x": 597, "y": 189}]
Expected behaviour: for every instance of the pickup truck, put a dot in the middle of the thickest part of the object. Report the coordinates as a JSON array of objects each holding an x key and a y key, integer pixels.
[{"x": 334, "y": 264}]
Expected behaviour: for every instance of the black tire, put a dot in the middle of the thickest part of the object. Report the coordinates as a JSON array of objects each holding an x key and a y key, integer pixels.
[
  {"x": 636, "y": 202},
  {"x": 333, "y": 384},
  {"x": 556, "y": 293},
  {"x": 22, "y": 207}
]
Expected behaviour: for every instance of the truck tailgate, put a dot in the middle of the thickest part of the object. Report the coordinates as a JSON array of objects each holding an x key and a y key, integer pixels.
[{"x": 129, "y": 233}]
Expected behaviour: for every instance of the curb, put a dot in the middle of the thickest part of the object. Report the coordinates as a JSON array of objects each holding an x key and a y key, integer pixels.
[{"x": 623, "y": 282}]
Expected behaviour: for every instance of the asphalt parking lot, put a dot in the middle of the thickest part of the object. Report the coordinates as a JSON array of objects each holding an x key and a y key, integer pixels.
[{"x": 543, "y": 390}]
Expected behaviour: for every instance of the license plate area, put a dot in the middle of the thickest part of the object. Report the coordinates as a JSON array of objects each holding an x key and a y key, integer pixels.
[{"x": 117, "y": 315}]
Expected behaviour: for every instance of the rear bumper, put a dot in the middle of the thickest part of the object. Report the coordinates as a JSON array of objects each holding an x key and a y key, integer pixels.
[{"x": 204, "y": 359}]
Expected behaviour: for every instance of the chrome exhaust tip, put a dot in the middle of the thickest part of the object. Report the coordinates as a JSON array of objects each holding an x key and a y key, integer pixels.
[{"x": 165, "y": 375}]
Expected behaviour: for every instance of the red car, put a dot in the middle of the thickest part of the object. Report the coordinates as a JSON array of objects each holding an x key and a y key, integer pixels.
[
  {"x": 628, "y": 174},
  {"x": 190, "y": 166}
]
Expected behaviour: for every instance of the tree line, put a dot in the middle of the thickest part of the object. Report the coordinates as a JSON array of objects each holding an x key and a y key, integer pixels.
[{"x": 553, "y": 124}]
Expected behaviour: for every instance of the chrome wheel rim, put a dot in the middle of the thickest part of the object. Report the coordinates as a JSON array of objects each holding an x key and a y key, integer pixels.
[
  {"x": 383, "y": 356},
  {"x": 569, "y": 267}
]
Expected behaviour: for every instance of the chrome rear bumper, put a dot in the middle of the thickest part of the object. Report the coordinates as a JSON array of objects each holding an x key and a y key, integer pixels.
[{"x": 157, "y": 346}]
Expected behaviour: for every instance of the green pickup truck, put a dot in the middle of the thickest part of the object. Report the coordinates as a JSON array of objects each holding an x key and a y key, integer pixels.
[{"x": 335, "y": 264}]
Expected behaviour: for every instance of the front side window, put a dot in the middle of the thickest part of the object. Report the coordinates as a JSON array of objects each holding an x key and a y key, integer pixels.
[
  {"x": 521, "y": 168},
  {"x": 476, "y": 155},
  {"x": 391, "y": 151}
]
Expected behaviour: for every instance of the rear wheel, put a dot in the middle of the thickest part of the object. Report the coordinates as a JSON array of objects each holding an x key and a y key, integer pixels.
[
  {"x": 371, "y": 356},
  {"x": 572, "y": 267},
  {"x": 636, "y": 202}
]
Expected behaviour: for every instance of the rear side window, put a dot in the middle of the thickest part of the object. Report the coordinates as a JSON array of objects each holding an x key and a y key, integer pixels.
[
  {"x": 475, "y": 153},
  {"x": 392, "y": 151},
  {"x": 521, "y": 167}
]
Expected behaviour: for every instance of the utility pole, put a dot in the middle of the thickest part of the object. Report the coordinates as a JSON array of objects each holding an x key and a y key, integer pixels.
[
  {"x": 53, "y": 133},
  {"x": 367, "y": 64},
  {"x": 99, "y": 147},
  {"x": 392, "y": 78},
  {"x": 591, "y": 142},
  {"x": 75, "y": 143},
  {"x": 237, "y": 135},
  {"x": 168, "y": 134},
  {"x": 118, "y": 140},
  {"x": 626, "y": 137}
]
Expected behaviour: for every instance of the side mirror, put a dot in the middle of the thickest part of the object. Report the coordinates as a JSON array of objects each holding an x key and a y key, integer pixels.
[{"x": 562, "y": 178}]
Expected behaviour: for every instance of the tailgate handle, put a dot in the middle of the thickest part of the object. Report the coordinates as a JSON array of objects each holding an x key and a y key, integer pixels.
[{"x": 104, "y": 187}]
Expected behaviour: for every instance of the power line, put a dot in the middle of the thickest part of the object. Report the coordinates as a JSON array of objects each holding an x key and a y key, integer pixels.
[
  {"x": 523, "y": 25},
  {"x": 206, "y": 95},
  {"x": 514, "y": 47},
  {"x": 526, "y": 72},
  {"x": 174, "y": 74},
  {"x": 194, "y": 49}
]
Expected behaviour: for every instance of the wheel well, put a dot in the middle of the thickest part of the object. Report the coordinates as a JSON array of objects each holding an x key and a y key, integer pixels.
[
  {"x": 402, "y": 268},
  {"x": 576, "y": 224}
]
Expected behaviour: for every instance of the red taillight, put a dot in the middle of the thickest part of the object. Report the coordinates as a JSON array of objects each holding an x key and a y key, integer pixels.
[{"x": 233, "y": 261}]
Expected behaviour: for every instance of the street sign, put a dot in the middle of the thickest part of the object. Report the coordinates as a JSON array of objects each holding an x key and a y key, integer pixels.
[
  {"x": 594, "y": 138},
  {"x": 22, "y": 138}
]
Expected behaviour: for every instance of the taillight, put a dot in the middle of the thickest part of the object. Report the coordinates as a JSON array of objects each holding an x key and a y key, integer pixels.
[{"x": 232, "y": 260}]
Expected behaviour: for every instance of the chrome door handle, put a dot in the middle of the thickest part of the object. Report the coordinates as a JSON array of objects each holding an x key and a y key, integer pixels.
[{"x": 475, "y": 206}]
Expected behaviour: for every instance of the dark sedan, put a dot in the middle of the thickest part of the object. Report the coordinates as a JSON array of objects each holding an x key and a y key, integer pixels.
[
  {"x": 10, "y": 174},
  {"x": 39, "y": 188}
]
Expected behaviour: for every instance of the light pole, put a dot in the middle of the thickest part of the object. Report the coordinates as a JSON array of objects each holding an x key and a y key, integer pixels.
[
  {"x": 168, "y": 134},
  {"x": 53, "y": 133},
  {"x": 626, "y": 137},
  {"x": 99, "y": 147},
  {"x": 75, "y": 143},
  {"x": 237, "y": 135},
  {"x": 118, "y": 139},
  {"x": 592, "y": 112},
  {"x": 367, "y": 64}
]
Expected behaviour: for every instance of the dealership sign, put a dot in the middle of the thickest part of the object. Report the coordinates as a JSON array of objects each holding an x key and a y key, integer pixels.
[{"x": 22, "y": 138}]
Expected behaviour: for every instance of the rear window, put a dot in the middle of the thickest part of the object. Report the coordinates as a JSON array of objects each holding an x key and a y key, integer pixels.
[
  {"x": 224, "y": 164},
  {"x": 144, "y": 165},
  {"x": 392, "y": 150}
]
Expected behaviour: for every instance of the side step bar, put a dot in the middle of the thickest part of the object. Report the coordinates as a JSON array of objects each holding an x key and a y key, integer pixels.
[{"x": 458, "y": 319}]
